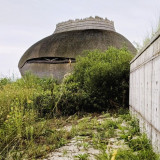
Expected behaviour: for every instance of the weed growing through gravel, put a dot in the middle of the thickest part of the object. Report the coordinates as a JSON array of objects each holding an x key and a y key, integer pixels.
[
  {"x": 84, "y": 156},
  {"x": 117, "y": 132}
]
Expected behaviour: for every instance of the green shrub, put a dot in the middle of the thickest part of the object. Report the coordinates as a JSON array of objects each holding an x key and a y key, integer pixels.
[
  {"x": 44, "y": 104},
  {"x": 4, "y": 81},
  {"x": 100, "y": 81},
  {"x": 71, "y": 99}
]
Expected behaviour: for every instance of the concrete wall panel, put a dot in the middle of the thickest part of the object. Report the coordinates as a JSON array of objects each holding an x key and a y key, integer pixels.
[{"x": 145, "y": 90}]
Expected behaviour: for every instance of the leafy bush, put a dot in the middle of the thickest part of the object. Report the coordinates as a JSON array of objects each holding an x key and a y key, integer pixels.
[
  {"x": 44, "y": 104},
  {"x": 4, "y": 81},
  {"x": 71, "y": 99},
  {"x": 100, "y": 81}
]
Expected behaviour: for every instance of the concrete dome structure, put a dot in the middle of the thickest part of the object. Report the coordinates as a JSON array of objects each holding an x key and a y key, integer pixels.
[{"x": 56, "y": 54}]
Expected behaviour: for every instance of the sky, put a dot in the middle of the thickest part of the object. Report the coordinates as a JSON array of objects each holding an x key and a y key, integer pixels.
[{"x": 24, "y": 22}]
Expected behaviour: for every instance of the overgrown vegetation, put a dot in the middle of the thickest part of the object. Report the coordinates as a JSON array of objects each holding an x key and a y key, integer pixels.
[
  {"x": 33, "y": 109},
  {"x": 100, "y": 81},
  {"x": 20, "y": 115},
  {"x": 111, "y": 135}
]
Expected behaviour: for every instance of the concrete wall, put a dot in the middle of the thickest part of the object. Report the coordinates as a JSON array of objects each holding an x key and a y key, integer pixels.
[
  {"x": 145, "y": 90},
  {"x": 57, "y": 71},
  {"x": 83, "y": 24}
]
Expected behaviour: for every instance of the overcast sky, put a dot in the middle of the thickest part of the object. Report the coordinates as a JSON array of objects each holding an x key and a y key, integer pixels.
[{"x": 24, "y": 22}]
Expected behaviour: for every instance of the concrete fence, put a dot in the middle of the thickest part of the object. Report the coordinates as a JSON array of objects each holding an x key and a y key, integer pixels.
[{"x": 145, "y": 90}]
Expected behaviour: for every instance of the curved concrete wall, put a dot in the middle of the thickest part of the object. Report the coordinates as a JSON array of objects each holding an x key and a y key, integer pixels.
[
  {"x": 87, "y": 23},
  {"x": 56, "y": 71}
]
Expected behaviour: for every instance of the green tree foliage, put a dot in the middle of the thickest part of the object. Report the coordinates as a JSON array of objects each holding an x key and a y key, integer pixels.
[{"x": 100, "y": 81}]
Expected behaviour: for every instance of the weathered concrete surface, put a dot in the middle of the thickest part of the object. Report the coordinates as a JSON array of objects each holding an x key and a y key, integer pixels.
[
  {"x": 145, "y": 90},
  {"x": 73, "y": 149},
  {"x": 83, "y": 24},
  {"x": 70, "y": 44},
  {"x": 48, "y": 70}
]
